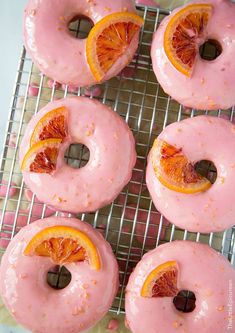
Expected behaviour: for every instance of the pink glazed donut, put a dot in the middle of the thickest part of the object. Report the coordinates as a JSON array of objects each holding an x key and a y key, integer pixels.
[
  {"x": 202, "y": 271},
  {"x": 112, "y": 158},
  {"x": 42, "y": 309},
  {"x": 200, "y": 138},
  {"x": 55, "y": 51},
  {"x": 200, "y": 91}
]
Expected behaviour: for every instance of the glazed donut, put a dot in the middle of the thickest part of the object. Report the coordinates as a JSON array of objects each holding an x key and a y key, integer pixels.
[
  {"x": 194, "y": 265},
  {"x": 198, "y": 82},
  {"x": 55, "y": 51},
  {"x": 39, "y": 307},
  {"x": 197, "y": 205},
  {"x": 112, "y": 156}
]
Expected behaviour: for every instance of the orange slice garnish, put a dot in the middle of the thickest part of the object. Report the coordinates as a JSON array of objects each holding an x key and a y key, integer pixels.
[
  {"x": 162, "y": 281},
  {"x": 42, "y": 157},
  {"x": 175, "y": 171},
  {"x": 183, "y": 36},
  {"x": 109, "y": 39},
  {"x": 63, "y": 245},
  {"x": 53, "y": 125}
]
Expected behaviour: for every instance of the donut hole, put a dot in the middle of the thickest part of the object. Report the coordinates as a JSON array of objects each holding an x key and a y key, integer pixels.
[
  {"x": 77, "y": 155},
  {"x": 210, "y": 50},
  {"x": 58, "y": 277},
  {"x": 185, "y": 301},
  {"x": 207, "y": 169},
  {"x": 80, "y": 27}
]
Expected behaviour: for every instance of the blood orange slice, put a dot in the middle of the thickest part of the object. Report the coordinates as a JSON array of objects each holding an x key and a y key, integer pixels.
[
  {"x": 109, "y": 39},
  {"x": 42, "y": 157},
  {"x": 162, "y": 281},
  {"x": 52, "y": 125},
  {"x": 63, "y": 245},
  {"x": 183, "y": 36},
  {"x": 175, "y": 171}
]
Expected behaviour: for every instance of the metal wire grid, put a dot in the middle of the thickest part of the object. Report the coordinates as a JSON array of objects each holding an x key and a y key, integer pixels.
[{"x": 130, "y": 223}]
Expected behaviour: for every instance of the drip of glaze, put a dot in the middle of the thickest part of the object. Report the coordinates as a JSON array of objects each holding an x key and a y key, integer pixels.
[
  {"x": 94, "y": 91},
  {"x": 113, "y": 325},
  {"x": 141, "y": 219},
  {"x": 51, "y": 83},
  {"x": 70, "y": 89},
  {"x": 33, "y": 89},
  {"x": 3, "y": 189},
  {"x": 150, "y": 3}
]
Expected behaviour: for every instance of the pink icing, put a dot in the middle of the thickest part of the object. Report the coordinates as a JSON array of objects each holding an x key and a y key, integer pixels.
[
  {"x": 8, "y": 222},
  {"x": 197, "y": 263},
  {"x": 113, "y": 325},
  {"x": 200, "y": 91},
  {"x": 71, "y": 89},
  {"x": 134, "y": 186},
  {"x": 33, "y": 89},
  {"x": 101, "y": 228},
  {"x": 146, "y": 234},
  {"x": 4, "y": 186},
  {"x": 127, "y": 324},
  {"x": 41, "y": 309},
  {"x": 57, "y": 53},
  {"x": 38, "y": 207},
  {"x": 227, "y": 117},
  {"x": 224, "y": 116},
  {"x": 212, "y": 210},
  {"x": 12, "y": 140},
  {"x": 95, "y": 91},
  {"x": 112, "y": 157},
  {"x": 62, "y": 214},
  {"x": 56, "y": 98},
  {"x": 128, "y": 72},
  {"x": 134, "y": 258},
  {"x": 4, "y": 239},
  {"x": 20, "y": 101},
  {"x": 51, "y": 83},
  {"x": 187, "y": 110},
  {"x": 137, "y": 178},
  {"x": 150, "y": 3},
  {"x": 22, "y": 219}
]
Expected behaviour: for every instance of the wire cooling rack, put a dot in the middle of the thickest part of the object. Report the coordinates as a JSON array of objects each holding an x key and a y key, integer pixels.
[{"x": 131, "y": 224}]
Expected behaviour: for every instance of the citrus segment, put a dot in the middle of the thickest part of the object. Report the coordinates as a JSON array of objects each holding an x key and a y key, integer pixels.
[
  {"x": 175, "y": 171},
  {"x": 42, "y": 157},
  {"x": 63, "y": 245},
  {"x": 109, "y": 39},
  {"x": 162, "y": 281},
  {"x": 183, "y": 36},
  {"x": 52, "y": 125}
]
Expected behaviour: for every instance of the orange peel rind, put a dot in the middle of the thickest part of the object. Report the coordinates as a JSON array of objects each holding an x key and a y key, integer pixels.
[
  {"x": 183, "y": 33},
  {"x": 42, "y": 157},
  {"x": 175, "y": 171},
  {"x": 162, "y": 281},
  {"x": 53, "y": 125},
  {"x": 109, "y": 39},
  {"x": 64, "y": 245}
]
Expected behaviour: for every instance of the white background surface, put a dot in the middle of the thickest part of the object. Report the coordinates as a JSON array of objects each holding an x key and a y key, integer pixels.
[{"x": 11, "y": 12}]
